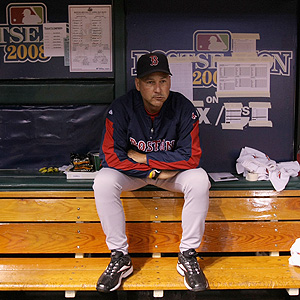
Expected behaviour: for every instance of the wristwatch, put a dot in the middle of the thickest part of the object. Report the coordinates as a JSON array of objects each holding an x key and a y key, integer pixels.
[{"x": 154, "y": 174}]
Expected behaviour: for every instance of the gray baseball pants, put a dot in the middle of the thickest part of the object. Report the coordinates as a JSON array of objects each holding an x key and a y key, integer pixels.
[{"x": 109, "y": 184}]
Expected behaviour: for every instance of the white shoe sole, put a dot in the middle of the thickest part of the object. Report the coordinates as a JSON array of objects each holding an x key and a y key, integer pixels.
[
  {"x": 181, "y": 272},
  {"x": 124, "y": 275}
]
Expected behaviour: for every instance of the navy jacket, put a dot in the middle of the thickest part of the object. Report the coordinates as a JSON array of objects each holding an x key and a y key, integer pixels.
[{"x": 171, "y": 141}]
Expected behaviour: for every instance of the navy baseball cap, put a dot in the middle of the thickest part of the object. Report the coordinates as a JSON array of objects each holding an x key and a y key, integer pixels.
[{"x": 152, "y": 62}]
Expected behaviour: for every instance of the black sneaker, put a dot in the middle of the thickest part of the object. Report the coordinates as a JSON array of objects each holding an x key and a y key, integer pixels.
[
  {"x": 119, "y": 267},
  {"x": 187, "y": 266}
]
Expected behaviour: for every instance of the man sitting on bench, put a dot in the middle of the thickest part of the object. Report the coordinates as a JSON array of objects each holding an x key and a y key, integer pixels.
[{"x": 151, "y": 136}]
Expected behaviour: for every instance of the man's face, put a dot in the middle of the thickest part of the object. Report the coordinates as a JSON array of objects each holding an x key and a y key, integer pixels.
[{"x": 155, "y": 89}]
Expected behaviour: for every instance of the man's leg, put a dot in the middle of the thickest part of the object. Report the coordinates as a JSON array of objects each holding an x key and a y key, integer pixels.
[
  {"x": 195, "y": 186},
  {"x": 108, "y": 186}
]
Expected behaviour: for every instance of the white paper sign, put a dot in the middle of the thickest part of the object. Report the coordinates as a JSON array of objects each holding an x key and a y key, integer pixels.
[
  {"x": 90, "y": 38},
  {"x": 54, "y": 35}
]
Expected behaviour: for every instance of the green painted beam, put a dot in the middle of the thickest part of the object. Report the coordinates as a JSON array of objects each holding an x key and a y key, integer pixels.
[{"x": 55, "y": 93}]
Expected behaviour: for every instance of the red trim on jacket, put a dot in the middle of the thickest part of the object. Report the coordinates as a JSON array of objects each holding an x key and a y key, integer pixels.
[
  {"x": 112, "y": 158},
  {"x": 194, "y": 160}
]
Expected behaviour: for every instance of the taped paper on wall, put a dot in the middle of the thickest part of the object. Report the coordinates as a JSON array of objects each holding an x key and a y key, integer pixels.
[
  {"x": 243, "y": 79},
  {"x": 54, "y": 35},
  {"x": 90, "y": 38},
  {"x": 182, "y": 79}
]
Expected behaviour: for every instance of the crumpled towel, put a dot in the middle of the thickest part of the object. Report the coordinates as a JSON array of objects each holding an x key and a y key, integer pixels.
[
  {"x": 294, "y": 260},
  {"x": 255, "y": 161}
]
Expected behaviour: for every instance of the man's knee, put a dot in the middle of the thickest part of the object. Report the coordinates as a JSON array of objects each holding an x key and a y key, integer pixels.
[
  {"x": 198, "y": 179},
  {"x": 106, "y": 180}
]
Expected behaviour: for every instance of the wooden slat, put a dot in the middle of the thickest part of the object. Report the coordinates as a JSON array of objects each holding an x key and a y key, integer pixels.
[
  {"x": 30, "y": 210},
  {"x": 149, "y": 274},
  {"x": 46, "y": 194},
  {"x": 254, "y": 193},
  {"x": 149, "y": 209},
  {"x": 254, "y": 209},
  {"x": 155, "y": 193},
  {"x": 249, "y": 236},
  {"x": 146, "y": 237},
  {"x": 41, "y": 210},
  {"x": 51, "y": 238}
]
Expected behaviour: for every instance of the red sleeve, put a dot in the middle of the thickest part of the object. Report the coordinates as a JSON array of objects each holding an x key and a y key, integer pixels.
[{"x": 115, "y": 155}]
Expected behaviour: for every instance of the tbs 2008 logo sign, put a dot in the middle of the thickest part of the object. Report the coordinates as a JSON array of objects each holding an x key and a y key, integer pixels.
[{"x": 22, "y": 35}]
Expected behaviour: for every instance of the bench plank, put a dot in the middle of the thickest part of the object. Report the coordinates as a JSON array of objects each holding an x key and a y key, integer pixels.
[
  {"x": 246, "y": 208},
  {"x": 46, "y": 194},
  {"x": 159, "y": 274},
  {"x": 147, "y": 237},
  {"x": 148, "y": 209},
  {"x": 41, "y": 210},
  {"x": 153, "y": 193}
]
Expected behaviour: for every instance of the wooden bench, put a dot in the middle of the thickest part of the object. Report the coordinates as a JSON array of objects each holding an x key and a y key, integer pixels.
[{"x": 51, "y": 238}]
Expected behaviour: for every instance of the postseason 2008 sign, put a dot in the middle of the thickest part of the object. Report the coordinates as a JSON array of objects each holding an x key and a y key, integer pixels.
[{"x": 22, "y": 36}]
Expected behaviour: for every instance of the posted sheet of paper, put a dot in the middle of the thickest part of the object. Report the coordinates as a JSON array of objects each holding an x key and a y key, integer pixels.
[
  {"x": 182, "y": 78},
  {"x": 244, "y": 45},
  {"x": 242, "y": 78},
  {"x": 90, "y": 38},
  {"x": 54, "y": 35}
]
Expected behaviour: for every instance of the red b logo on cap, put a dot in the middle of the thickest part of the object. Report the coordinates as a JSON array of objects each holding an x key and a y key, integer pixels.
[{"x": 154, "y": 60}]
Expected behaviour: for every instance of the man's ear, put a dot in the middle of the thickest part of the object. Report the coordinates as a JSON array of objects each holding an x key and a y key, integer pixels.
[{"x": 137, "y": 83}]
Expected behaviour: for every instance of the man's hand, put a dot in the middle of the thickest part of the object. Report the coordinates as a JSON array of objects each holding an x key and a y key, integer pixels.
[
  {"x": 142, "y": 159},
  {"x": 165, "y": 174},
  {"x": 137, "y": 157}
]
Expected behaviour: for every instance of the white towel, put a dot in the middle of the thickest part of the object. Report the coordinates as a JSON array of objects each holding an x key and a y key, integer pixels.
[
  {"x": 294, "y": 260},
  {"x": 255, "y": 161}
]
